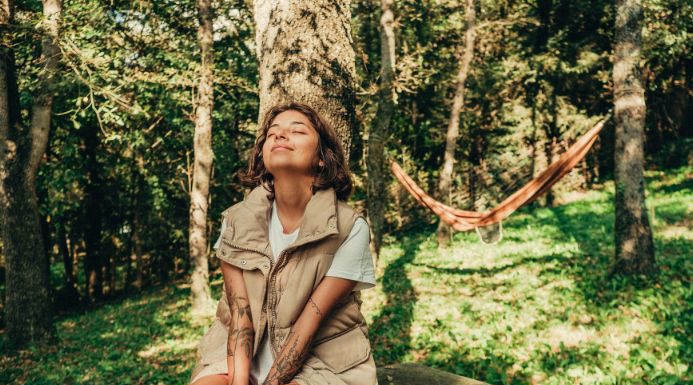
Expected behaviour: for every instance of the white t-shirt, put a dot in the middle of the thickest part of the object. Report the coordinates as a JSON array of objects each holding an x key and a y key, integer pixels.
[{"x": 352, "y": 260}]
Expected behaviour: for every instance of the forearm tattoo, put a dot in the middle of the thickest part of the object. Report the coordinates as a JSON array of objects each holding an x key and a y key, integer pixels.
[
  {"x": 290, "y": 359},
  {"x": 315, "y": 306},
  {"x": 240, "y": 335}
]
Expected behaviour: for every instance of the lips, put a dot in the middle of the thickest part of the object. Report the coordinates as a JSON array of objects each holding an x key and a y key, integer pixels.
[{"x": 279, "y": 146}]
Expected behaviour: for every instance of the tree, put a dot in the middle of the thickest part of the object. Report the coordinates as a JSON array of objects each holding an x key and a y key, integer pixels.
[
  {"x": 633, "y": 236},
  {"x": 453, "y": 132},
  {"x": 28, "y": 308},
  {"x": 93, "y": 212},
  {"x": 304, "y": 49},
  {"x": 202, "y": 169},
  {"x": 377, "y": 182}
]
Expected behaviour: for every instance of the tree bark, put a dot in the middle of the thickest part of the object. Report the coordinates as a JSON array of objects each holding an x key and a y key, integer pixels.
[
  {"x": 633, "y": 236},
  {"x": 136, "y": 244},
  {"x": 453, "y": 132},
  {"x": 305, "y": 54},
  {"x": 377, "y": 177},
  {"x": 70, "y": 291},
  {"x": 92, "y": 216},
  {"x": 28, "y": 306},
  {"x": 199, "y": 194},
  {"x": 552, "y": 130}
]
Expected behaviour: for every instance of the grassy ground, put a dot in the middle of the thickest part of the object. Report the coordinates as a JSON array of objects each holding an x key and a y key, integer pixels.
[{"x": 538, "y": 307}]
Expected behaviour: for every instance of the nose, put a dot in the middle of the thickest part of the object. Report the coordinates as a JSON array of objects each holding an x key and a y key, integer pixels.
[{"x": 281, "y": 133}]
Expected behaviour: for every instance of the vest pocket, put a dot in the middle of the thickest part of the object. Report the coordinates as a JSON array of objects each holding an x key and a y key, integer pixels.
[
  {"x": 212, "y": 346},
  {"x": 244, "y": 260},
  {"x": 344, "y": 351}
]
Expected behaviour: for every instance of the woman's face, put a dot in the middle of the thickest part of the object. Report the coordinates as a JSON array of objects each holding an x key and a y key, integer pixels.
[{"x": 291, "y": 145}]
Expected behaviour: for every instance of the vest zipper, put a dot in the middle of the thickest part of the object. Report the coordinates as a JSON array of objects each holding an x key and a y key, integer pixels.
[
  {"x": 281, "y": 262},
  {"x": 272, "y": 277}
]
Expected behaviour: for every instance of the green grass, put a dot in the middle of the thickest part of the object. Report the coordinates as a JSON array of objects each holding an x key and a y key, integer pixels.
[{"x": 539, "y": 307}]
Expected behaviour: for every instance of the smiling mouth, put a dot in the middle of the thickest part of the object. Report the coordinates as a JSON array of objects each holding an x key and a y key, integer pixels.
[{"x": 281, "y": 148}]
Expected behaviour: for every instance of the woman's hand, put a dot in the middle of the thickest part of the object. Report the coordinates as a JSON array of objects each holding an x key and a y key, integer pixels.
[
  {"x": 297, "y": 344},
  {"x": 239, "y": 345}
]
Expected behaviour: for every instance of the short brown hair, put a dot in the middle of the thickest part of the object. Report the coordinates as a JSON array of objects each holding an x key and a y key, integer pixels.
[{"x": 335, "y": 172}]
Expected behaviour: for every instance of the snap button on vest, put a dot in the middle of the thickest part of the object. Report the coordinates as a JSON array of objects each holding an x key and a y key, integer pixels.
[{"x": 243, "y": 261}]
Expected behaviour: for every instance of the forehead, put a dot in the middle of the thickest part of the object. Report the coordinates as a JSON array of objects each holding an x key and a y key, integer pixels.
[{"x": 290, "y": 116}]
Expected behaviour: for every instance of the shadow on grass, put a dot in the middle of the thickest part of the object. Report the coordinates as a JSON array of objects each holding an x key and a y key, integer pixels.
[
  {"x": 663, "y": 299},
  {"x": 390, "y": 330},
  {"x": 491, "y": 271},
  {"x": 670, "y": 284}
]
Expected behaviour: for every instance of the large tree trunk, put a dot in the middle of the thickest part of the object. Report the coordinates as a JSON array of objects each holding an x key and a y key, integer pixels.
[
  {"x": 9, "y": 110},
  {"x": 377, "y": 177},
  {"x": 305, "y": 54},
  {"x": 28, "y": 307},
  {"x": 634, "y": 247},
  {"x": 445, "y": 179},
  {"x": 199, "y": 194}
]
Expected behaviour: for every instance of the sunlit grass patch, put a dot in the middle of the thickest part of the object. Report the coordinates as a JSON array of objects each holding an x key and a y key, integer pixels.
[
  {"x": 540, "y": 306},
  {"x": 146, "y": 339}
]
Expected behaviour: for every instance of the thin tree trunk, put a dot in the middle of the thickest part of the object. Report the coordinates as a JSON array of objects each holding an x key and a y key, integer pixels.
[
  {"x": 28, "y": 306},
  {"x": 199, "y": 194},
  {"x": 549, "y": 150},
  {"x": 445, "y": 180},
  {"x": 633, "y": 236},
  {"x": 472, "y": 187},
  {"x": 134, "y": 252},
  {"x": 377, "y": 177},
  {"x": 111, "y": 269},
  {"x": 92, "y": 216},
  {"x": 70, "y": 287},
  {"x": 533, "y": 141},
  {"x": 137, "y": 245},
  {"x": 305, "y": 54}
]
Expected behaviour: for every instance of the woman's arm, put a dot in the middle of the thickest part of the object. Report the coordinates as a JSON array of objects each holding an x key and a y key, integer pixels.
[
  {"x": 239, "y": 346},
  {"x": 297, "y": 343}
]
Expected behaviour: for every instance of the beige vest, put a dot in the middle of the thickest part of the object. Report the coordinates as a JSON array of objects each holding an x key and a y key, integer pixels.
[{"x": 279, "y": 290}]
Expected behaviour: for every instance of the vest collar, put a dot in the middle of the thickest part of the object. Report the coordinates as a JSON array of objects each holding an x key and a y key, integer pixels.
[{"x": 251, "y": 222}]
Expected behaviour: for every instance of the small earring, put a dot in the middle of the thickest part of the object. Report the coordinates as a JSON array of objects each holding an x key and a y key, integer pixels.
[{"x": 321, "y": 164}]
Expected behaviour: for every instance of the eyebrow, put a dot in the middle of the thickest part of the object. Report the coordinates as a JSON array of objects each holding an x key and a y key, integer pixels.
[{"x": 294, "y": 122}]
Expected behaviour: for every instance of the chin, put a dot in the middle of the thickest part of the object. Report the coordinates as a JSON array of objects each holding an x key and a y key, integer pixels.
[{"x": 287, "y": 168}]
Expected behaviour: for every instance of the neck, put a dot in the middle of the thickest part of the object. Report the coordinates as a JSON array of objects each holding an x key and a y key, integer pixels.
[{"x": 292, "y": 196}]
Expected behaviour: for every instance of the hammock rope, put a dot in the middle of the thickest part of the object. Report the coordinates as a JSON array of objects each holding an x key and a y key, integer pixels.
[{"x": 462, "y": 220}]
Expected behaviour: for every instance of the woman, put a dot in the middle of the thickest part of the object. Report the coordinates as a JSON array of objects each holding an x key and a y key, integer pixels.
[{"x": 294, "y": 257}]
